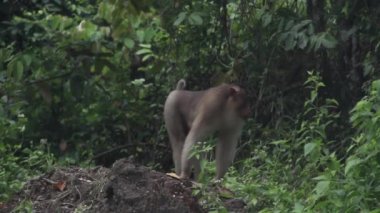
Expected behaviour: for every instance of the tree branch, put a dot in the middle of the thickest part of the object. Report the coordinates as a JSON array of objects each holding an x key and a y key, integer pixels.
[{"x": 50, "y": 78}]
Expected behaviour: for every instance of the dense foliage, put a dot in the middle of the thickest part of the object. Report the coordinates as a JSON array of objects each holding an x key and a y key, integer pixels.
[{"x": 83, "y": 82}]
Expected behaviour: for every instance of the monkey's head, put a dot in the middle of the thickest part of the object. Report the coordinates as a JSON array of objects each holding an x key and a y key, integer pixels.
[{"x": 239, "y": 101}]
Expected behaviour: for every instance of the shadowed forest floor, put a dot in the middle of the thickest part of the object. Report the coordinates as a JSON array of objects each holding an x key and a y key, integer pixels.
[{"x": 125, "y": 187}]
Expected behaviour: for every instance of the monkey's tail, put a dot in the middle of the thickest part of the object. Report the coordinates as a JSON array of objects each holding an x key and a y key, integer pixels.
[{"x": 181, "y": 84}]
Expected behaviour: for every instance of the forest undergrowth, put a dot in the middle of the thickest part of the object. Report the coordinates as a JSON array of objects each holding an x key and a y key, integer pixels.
[{"x": 83, "y": 83}]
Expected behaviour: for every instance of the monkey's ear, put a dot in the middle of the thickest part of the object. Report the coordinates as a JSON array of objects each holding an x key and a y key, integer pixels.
[{"x": 234, "y": 90}]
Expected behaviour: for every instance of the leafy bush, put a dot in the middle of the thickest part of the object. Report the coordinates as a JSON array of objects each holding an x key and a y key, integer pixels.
[
  {"x": 362, "y": 168},
  {"x": 302, "y": 174},
  {"x": 20, "y": 161}
]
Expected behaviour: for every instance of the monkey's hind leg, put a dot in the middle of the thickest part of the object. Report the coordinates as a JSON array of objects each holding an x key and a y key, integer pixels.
[
  {"x": 177, "y": 146},
  {"x": 177, "y": 137}
]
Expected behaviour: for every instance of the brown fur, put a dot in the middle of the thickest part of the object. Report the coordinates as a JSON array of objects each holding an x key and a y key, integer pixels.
[{"x": 190, "y": 116}]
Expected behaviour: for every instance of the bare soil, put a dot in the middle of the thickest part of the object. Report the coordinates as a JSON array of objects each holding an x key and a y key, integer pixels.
[{"x": 126, "y": 187}]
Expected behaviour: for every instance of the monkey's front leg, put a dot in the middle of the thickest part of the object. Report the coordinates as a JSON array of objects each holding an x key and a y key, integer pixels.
[
  {"x": 225, "y": 150},
  {"x": 196, "y": 134}
]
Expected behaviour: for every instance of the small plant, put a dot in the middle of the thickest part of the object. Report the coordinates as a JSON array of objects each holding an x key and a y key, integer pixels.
[
  {"x": 280, "y": 175},
  {"x": 206, "y": 190},
  {"x": 24, "y": 206}
]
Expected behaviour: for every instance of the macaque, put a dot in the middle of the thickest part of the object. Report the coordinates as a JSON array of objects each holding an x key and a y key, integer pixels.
[{"x": 190, "y": 116}]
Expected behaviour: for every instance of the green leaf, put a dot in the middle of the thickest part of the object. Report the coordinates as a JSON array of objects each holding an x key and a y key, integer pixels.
[
  {"x": 309, "y": 148},
  {"x": 267, "y": 18},
  {"x": 143, "y": 51},
  {"x": 146, "y": 45},
  {"x": 351, "y": 162},
  {"x": 290, "y": 42},
  {"x": 375, "y": 85},
  {"x": 300, "y": 25},
  {"x": 328, "y": 40},
  {"x": 146, "y": 57},
  {"x": 129, "y": 43},
  {"x": 195, "y": 19},
  {"x": 368, "y": 67},
  {"x": 322, "y": 187},
  {"x": 27, "y": 60},
  {"x": 302, "y": 41},
  {"x": 321, "y": 177},
  {"x": 3, "y": 54},
  {"x": 317, "y": 44},
  {"x": 259, "y": 13},
  {"x": 87, "y": 29},
  {"x": 289, "y": 24},
  {"x": 313, "y": 95},
  {"x": 138, "y": 82},
  {"x": 180, "y": 18},
  {"x": 332, "y": 102},
  {"x": 149, "y": 34},
  {"x": 140, "y": 35},
  {"x": 298, "y": 207},
  {"x": 224, "y": 193},
  {"x": 279, "y": 142},
  {"x": 19, "y": 70}
]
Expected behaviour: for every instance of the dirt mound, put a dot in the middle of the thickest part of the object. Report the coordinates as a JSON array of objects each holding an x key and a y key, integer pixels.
[{"x": 124, "y": 188}]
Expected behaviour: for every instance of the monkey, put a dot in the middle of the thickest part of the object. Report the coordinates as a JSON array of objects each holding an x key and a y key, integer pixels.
[{"x": 190, "y": 116}]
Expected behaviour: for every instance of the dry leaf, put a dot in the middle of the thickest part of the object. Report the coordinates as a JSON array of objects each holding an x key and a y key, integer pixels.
[
  {"x": 173, "y": 175},
  {"x": 60, "y": 185}
]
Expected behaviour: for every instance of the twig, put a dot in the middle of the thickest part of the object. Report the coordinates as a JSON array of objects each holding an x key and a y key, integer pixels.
[
  {"x": 80, "y": 195},
  {"x": 63, "y": 195},
  {"x": 68, "y": 204},
  {"x": 49, "y": 181}
]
